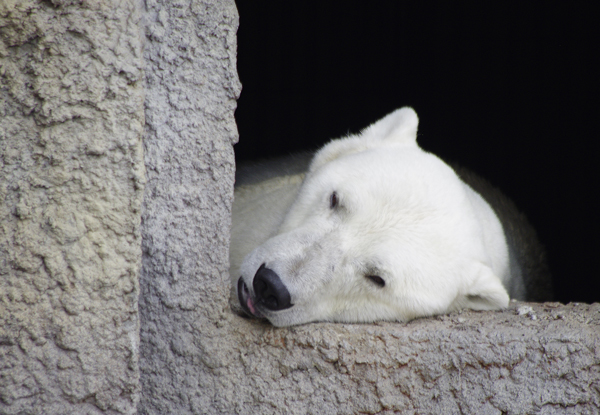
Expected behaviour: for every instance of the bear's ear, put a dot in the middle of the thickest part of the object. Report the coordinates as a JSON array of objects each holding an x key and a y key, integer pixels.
[
  {"x": 486, "y": 291},
  {"x": 399, "y": 126}
]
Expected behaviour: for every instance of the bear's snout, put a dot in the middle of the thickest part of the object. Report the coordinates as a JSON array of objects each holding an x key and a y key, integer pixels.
[{"x": 270, "y": 291}]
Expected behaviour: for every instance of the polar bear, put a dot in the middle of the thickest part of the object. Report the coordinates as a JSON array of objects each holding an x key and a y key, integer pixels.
[{"x": 374, "y": 228}]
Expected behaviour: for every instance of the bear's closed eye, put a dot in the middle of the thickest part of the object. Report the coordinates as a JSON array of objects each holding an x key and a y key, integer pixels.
[
  {"x": 376, "y": 279},
  {"x": 333, "y": 200}
]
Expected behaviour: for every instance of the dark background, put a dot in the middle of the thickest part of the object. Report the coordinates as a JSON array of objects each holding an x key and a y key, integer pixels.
[{"x": 510, "y": 91}]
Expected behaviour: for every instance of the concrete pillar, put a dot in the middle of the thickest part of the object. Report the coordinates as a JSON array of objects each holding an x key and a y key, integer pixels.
[
  {"x": 192, "y": 87},
  {"x": 71, "y": 188}
]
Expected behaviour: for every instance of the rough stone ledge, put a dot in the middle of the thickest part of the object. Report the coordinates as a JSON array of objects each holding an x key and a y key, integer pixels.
[{"x": 529, "y": 358}]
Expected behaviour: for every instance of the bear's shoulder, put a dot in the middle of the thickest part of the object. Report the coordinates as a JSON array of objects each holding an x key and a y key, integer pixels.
[{"x": 527, "y": 255}]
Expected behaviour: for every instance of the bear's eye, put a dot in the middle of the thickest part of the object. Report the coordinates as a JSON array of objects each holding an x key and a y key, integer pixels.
[
  {"x": 333, "y": 200},
  {"x": 377, "y": 280}
]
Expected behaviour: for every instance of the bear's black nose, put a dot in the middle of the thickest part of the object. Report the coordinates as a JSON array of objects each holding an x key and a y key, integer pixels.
[{"x": 270, "y": 290}]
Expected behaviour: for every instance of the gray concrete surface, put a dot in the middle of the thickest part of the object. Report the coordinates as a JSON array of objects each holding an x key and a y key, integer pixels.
[
  {"x": 71, "y": 187},
  {"x": 72, "y": 176},
  {"x": 192, "y": 87},
  {"x": 528, "y": 359}
]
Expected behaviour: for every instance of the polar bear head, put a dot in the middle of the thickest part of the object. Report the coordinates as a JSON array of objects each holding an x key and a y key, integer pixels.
[{"x": 380, "y": 230}]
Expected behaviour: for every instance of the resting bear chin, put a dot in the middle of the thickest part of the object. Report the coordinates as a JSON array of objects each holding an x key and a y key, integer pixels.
[{"x": 373, "y": 228}]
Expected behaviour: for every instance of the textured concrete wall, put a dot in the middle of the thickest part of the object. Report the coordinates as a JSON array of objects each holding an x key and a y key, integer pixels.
[
  {"x": 529, "y": 359},
  {"x": 192, "y": 87},
  {"x": 71, "y": 183}
]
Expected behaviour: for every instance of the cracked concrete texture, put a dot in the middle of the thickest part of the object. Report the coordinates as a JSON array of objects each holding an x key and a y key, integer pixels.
[
  {"x": 72, "y": 176},
  {"x": 530, "y": 358},
  {"x": 192, "y": 87}
]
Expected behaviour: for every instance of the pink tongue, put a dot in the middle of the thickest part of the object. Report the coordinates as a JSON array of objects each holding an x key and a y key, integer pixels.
[{"x": 250, "y": 306}]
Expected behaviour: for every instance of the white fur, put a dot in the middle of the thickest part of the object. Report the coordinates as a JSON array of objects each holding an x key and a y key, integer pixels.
[{"x": 403, "y": 215}]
